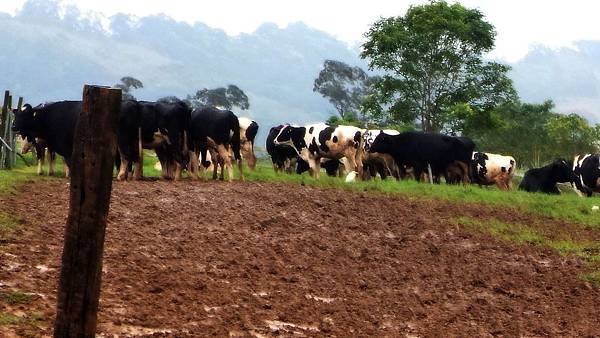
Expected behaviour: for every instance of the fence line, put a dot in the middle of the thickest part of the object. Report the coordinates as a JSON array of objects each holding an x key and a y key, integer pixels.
[{"x": 9, "y": 138}]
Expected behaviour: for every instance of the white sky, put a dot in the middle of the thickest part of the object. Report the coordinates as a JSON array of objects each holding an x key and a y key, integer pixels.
[{"x": 519, "y": 23}]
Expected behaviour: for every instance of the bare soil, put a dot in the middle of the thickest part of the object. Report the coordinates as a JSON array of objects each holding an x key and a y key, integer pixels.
[{"x": 264, "y": 259}]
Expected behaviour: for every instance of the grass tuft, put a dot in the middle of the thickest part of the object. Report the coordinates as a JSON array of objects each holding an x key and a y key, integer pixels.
[{"x": 16, "y": 298}]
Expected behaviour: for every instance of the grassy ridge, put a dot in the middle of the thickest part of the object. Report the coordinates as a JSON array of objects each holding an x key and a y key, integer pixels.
[{"x": 568, "y": 206}]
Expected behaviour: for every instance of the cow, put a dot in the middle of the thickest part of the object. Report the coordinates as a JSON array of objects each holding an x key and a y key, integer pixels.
[
  {"x": 215, "y": 130},
  {"x": 248, "y": 131},
  {"x": 52, "y": 122},
  {"x": 378, "y": 163},
  {"x": 164, "y": 128},
  {"x": 418, "y": 150},
  {"x": 587, "y": 169},
  {"x": 316, "y": 141},
  {"x": 544, "y": 179},
  {"x": 128, "y": 140},
  {"x": 489, "y": 169},
  {"x": 283, "y": 156}
]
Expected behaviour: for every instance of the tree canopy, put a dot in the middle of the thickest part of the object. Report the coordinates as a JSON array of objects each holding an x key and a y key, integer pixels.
[
  {"x": 344, "y": 86},
  {"x": 127, "y": 85},
  {"x": 432, "y": 58},
  {"x": 226, "y": 97}
]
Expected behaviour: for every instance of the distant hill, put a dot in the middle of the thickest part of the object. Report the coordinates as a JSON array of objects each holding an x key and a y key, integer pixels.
[
  {"x": 51, "y": 57},
  {"x": 50, "y": 52},
  {"x": 569, "y": 76}
]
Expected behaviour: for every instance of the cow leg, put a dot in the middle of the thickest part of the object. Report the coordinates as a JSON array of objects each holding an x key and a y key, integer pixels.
[
  {"x": 241, "y": 169},
  {"x": 122, "y": 175},
  {"x": 194, "y": 167},
  {"x": 178, "y": 168},
  {"x": 51, "y": 158},
  {"x": 314, "y": 165},
  {"x": 465, "y": 169},
  {"x": 137, "y": 170},
  {"x": 41, "y": 155},
  {"x": 222, "y": 167},
  {"x": 224, "y": 153}
]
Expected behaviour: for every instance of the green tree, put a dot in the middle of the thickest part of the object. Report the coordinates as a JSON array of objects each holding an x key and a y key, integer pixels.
[
  {"x": 127, "y": 84},
  {"x": 226, "y": 97},
  {"x": 571, "y": 135},
  {"x": 433, "y": 60},
  {"x": 520, "y": 131},
  {"x": 344, "y": 86}
]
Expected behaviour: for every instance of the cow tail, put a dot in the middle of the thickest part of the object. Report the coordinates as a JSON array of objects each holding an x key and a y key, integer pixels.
[{"x": 235, "y": 141}]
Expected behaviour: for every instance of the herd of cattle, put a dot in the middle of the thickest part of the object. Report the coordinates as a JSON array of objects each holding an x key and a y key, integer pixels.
[{"x": 194, "y": 139}]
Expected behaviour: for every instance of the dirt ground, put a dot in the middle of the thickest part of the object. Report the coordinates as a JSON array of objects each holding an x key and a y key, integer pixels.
[{"x": 264, "y": 259}]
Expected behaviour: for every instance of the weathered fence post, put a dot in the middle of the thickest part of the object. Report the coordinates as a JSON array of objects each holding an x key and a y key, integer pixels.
[
  {"x": 94, "y": 148},
  {"x": 6, "y": 106}
]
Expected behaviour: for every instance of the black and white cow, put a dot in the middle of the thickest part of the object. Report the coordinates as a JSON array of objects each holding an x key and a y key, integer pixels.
[
  {"x": 316, "y": 141},
  {"x": 544, "y": 179},
  {"x": 418, "y": 150},
  {"x": 378, "y": 163},
  {"x": 489, "y": 169},
  {"x": 283, "y": 156},
  {"x": 215, "y": 130},
  {"x": 248, "y": 131},
  {"x": 587, "y": 169},
  {"x": 52, "y": 122}
]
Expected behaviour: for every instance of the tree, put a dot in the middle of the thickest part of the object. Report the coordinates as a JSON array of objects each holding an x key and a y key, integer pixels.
[
  {"x": 571, "y": 135},
  {"x": 433, "y": 60},
  {"x": 344, "y": 86},
  {"x": 127, "y": 84},
  {"x": 519, "y": 131},
  {"x": 229, "y": 97}
]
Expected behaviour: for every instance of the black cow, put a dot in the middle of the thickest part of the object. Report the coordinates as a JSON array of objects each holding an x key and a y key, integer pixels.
[
  {"x": 544, "y": 179},
  {"x": 417, "y": 150},
  {"x": 218, "y": 131},
  {"x": 128, "y": 132},
  {"x": 164, "y": 128},
  {"x": 53, "y": 122},
  {"x": 283, "y": 156},
  {"x": 587, "y": 169}
]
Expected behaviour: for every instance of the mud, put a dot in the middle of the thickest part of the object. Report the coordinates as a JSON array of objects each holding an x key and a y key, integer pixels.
[{"x": 264, "y": 259}]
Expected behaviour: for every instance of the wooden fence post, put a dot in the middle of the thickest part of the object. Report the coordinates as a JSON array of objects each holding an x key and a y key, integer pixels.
[
  {"x": 3, "y": 124},
  {"x": 94, "y": 148}
]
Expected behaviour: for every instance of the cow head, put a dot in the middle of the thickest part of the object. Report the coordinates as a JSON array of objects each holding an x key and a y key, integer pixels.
[
  {"x": 383, "y": 143},
  {"x": 292, "y": 136},
  {"x": 478, "y": 164},
  {"x": 562, "y": 171},
  {"x": 25, "y": 121}
]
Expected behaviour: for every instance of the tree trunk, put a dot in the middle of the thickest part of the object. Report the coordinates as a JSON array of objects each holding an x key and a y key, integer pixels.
[{"x": 94, "y": 148}]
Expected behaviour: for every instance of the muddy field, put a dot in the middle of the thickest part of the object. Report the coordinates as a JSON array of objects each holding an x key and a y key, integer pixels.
[{"x": 257, "y": 259}]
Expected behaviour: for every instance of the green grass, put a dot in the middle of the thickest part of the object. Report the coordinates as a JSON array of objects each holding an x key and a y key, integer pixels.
[
  {"x": 15, "y": 298},
  {"x": 8, "y": 319},
  {"x": 8, "y": 226}
]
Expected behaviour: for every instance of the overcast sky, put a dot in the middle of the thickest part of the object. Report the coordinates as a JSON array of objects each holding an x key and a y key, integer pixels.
[{"x": 519, "y": 23}]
